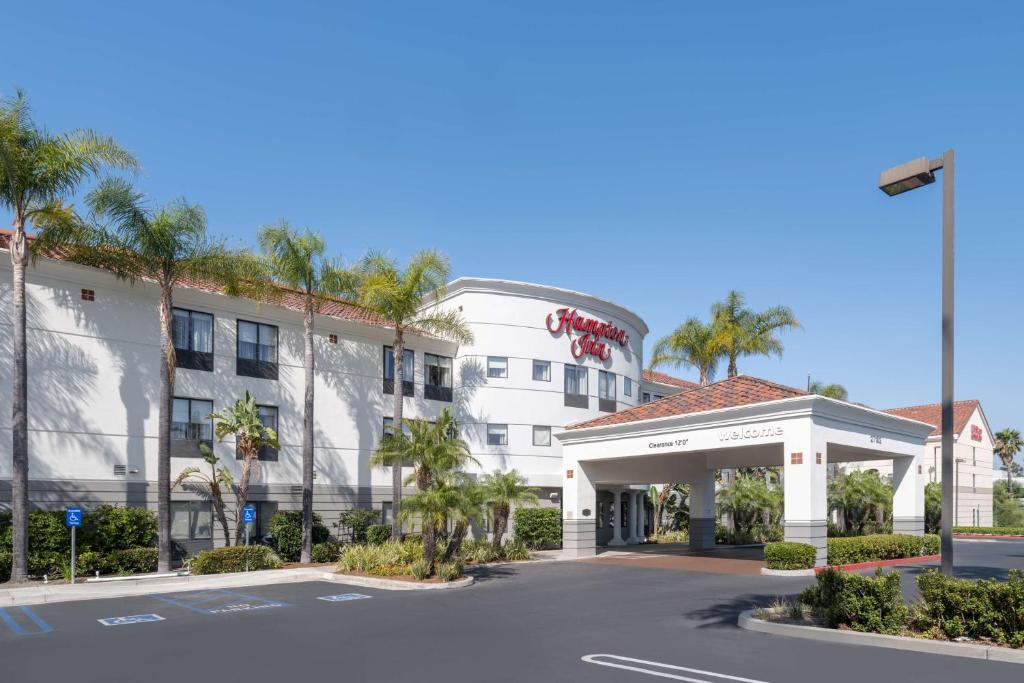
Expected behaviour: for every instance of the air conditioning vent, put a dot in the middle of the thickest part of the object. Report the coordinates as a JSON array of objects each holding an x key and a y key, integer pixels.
[{"x": 120, "y": 470}]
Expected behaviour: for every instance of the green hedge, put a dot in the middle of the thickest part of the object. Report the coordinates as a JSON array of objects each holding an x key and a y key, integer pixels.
[
  {"x": 785, "y": 555},
  {"x": 235, "y": 559},
  {"x": 990, "y": 530},
  {"x": 378, "y": 534},
  {"x": 982, "y": 609},
  {"x": 325, "y": 552},
  {"x": 357, "y": 521},
  {"x": 539, "y": 528},
  {"x": 5, "y": 566},
  {"x": 854, "y": 549},
  {"x": 286, "y": 533},
  {"x": 861, "y": 603}
]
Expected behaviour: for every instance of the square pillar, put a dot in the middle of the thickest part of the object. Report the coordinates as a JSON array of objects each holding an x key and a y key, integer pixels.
[
  {"x": 616, "y": 516},
  {"x": 633, "y": 537},
  {"x": 702, "y": 512},
  {"x": 908, "y": 496},
  {"x": 640, "y": 509},
  {"x": 805, "y": 489},
  {"x": 579, "y": 502}
]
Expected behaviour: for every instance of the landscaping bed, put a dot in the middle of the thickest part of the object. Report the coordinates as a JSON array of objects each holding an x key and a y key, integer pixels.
[
  {"x": 853, "y": 550},
  {"x": 405, "y": 560},
  {"x": 995, "y": 531}
]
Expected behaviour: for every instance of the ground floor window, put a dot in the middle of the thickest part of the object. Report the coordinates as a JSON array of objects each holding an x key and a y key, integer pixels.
[{"x": 192, "y": 520}]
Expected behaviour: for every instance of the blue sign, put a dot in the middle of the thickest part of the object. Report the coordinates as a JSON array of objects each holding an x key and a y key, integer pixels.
[
  {"x": 73, "y": 517},
  {"x": 134, "y": 619},
  {"x": 344, "y": 597},
  {"x": 248, "y": 514}
]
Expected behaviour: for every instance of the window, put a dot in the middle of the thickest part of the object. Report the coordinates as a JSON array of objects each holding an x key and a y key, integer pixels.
[
  {"x": 265, "y": 510},
  {"x": 541, "y": 436},
  {"x": 408, "y": 371},
  {"x": 497, "y": 435},
  {"x": 627, "y": 386},
  {"x": 576, "y": 387},
  {"x": 497, "y": 367},
  {"x": 192, "y": 335},
  {"x": 332, "y": 339},
  {"x": 606, "y": 391},
  {"x": 645, "y": 397},
  {"x": 541, "y": 371},
  {"x": 388, "y": 421},
  {"x": 974, "y": 456},
  {"x": 88, "y": 295},
  {"x": 974, "y": 483},
  {"x": 437, "y": 377},
  {"x": 192, "y": 520},
  {"x": 257, "y": 350},
  {"x": 191, "y": 425},
  {"x": 268, "y": 418}
]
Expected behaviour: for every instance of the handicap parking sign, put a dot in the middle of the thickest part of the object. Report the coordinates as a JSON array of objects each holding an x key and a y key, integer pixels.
[
  {"x": 249, "y": 514},
  {"x": 73, "y": 517},
  {"x": 133, "y": 619}
]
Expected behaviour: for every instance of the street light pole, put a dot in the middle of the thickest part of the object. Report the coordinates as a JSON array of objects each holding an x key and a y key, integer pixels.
[{"x": 895, "y": 181}]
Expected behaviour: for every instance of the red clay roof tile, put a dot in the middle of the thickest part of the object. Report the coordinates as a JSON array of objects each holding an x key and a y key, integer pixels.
[{"x": 662, "y": 378}]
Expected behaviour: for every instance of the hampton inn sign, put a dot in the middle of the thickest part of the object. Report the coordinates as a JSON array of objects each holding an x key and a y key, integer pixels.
[{"x": 591, "y": 333}]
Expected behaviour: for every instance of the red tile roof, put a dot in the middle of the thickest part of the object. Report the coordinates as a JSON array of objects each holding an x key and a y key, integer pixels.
[
  {"x": 662, "y": 378},
  {"x": 932, "y": 414},
  {"x": 291, "y": 299},
  {"x": 728, "y": 393}
]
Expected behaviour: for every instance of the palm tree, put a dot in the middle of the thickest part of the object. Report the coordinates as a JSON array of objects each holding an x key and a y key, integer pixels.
[
  {"x": 242, "y": 420},
  {"x": 743, "y": 332},
  {"x": 38, "y": 171},
  {"x": 210, "y": 485},
  {"x": 399, "y": 297},
  {"x": 1007, "y": 446},
  {"x": 296, "y": 260},
  {"x": 693, "y": 345},
  {"x": 468, "y": 507},
  {"x": 166, "y": 245},
  {"x": 503, "y": 491},
  {"x": 435, "y": 451},
  {"x": 836, "y": 391}
]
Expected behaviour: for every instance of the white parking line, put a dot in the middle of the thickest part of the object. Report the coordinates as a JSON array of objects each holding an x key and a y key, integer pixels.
[{"x": 592, "y": 659}]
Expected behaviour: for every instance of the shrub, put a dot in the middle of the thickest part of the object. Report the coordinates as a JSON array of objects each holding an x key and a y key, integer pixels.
[
  {"x": 133, "y": 560},
  {"x": 515, "y": 550},
  {"x": 681, "y": 536},
  {"x": 5, "y": 566},
  {"x": 985, "y": 608},
  {"x": 107, "y": 528},
  {"x": 286, "y": 533},
  {"x": 539, "y": 528},
  {"x": 235, "y": 559},
  {"x": 862, "y": 603},
  {"x": 477, "y": 551},
  {"x": 89, "y": 562},
  {"x": 377, "y": 534},
  {"x": 878, "y": 547},
  {"x": 758, "y": 533},
  {"x": 387, "y": 559},
  {"x": 990, "y": 530},
  {"x": 357, "y": 521},
  {"x": 789, "y": 555},
  {"x": 448, "y": 571},
  {"x": 420, "y": 569},
  {"x": 325, "y": 552}
]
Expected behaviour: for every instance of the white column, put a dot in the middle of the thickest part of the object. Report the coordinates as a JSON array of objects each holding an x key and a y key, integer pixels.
[
  {"x": 617, "y": 519},
  {"x": 579, "y": 502},
  {"x": 702, "y": 512},
  {"x": 804, "y": 486},
  {"x": 907, "y": 496},
  {"x": 632, "y": 540}
]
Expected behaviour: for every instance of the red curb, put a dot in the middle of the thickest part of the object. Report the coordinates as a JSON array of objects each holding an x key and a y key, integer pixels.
[
  {"x": 1004, "y": 538},
  {"x": 880, "y": 563}
]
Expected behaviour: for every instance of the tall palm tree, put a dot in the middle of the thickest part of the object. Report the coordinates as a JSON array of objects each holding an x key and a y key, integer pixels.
[
  {"x": 165, "y": 245},
  {"x": 1008, "y": 445},
  {"x": 242, "y": 420},
  {"x": 836, "y": 391},
  {"x": 503, "y": 491},
  {"x": 693, "y": 345},
  {"x": 468, "y": 507},
  {"x": 38, "y": 171},
  {"x": 436, "y": 452},
  {"x": 743, "y": 332},
  {"x": 210, "y": 485},
  {"x": 399, "y": 297},
  {"x": 296, "y": 260}
]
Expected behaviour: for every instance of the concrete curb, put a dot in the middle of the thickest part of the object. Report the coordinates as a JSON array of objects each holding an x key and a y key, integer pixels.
[
  {"x": 857, "y": 566},
  {"x": 748, "y": 621},
  {"x": 786, "y": 572},
  {"x": 393, "y": 585},
  {"x": 993, "y": 537}
]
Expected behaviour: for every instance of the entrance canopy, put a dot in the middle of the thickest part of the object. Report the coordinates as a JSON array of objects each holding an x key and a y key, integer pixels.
[{"x": 739, "y": 422}]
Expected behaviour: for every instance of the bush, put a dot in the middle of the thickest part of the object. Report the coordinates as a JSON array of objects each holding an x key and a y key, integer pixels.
[
  {"x": 477, "y": 551},
  {"x": 990, "y": 530},
  {"x": 539, "y": 528},
  {"x": 515, "y": 550},
  {"x": 758, "y": 533},
  {"x": 286, "y": 533},
  {"x": 862, "y": 603},
  {"x": 448, "y": 571},
  {"x": 420, "y": 569},
  {"x": 987, "y": 608},
  {"x": 681, "y": 536},
  {"x": 357, "y": 521},
  {"x": 387, "y": 559},
  {"x": 133, "y": 560},
  {"x": 789, "y": 555},
  {"x": 325, "y": 552},
  {"x": 108, "y": 528},
  {"x": 878, "y": 547},
  {"x": 235, "y": 559},
  {"x": 377, "y": 534},
  {"x": 5, "y": 566}
]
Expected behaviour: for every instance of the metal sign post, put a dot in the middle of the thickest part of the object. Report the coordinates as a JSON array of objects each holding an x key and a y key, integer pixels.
[
  {"x": 73, "y": 519},
  {"x": 248, "y": 516}
]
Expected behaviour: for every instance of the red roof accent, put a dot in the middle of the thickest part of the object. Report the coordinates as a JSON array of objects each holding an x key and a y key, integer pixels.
[
  {"x": 932, "y": 414},
  {"x": 662, "y": 378},
  {"x": 728, "y": 393},
  {"x": 291, "y": 299}
]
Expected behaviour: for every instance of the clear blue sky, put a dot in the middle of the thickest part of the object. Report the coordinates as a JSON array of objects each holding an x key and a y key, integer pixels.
[{"x": 652, "y": 153}]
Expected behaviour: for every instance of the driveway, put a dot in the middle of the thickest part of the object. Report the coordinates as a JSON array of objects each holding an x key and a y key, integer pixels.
[{"x": 722, "y": 559}]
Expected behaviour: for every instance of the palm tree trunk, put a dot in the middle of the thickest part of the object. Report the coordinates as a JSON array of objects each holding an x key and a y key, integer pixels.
[
  {"x": 249, "y": 454},
  {"x": 163, "y": 457},
  {"x": 732, "y": 365},
  {"x": 429, "y": 546},
  {"x": 455, "y": 544},
  {"x": 396, "y": 470},
  {"x": 704, "y": 381},
  {"x": 19, "y": 403},
  {"x": 501, "y": 513},
  {"x": 307, "y": 440},
  {"x": 218, "y": 508}
]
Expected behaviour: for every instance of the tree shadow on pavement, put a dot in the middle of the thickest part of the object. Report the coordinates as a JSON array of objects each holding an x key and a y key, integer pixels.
[
  {"x": 484, "y": 572},
  {"x": 724, "y": 614}
]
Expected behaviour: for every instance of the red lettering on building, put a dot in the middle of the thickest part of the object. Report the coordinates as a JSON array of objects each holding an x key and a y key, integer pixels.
[
  {"x": 591, "y": 333},
  {"x": 975, "y": 433}
]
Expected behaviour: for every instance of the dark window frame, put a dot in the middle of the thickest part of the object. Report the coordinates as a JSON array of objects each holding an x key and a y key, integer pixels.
[
  {"x": 408, "y": 378},
  {"x": 550, "y": 436},
  {"x": 575, "y": 400},
  {"x": 254, "y": 367},
  {"x": 189, "y": 358},
  {"x": 487, "y": 434},
  {"x": 191, "y": 506},
  {"x": 606, "y": 378},
  {"x": 186, "y": 447},
  {"x": 437, "y": 392}
]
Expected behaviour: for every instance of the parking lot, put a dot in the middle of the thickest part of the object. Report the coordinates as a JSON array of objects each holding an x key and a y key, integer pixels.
[{"x": 566, "y": 621}]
